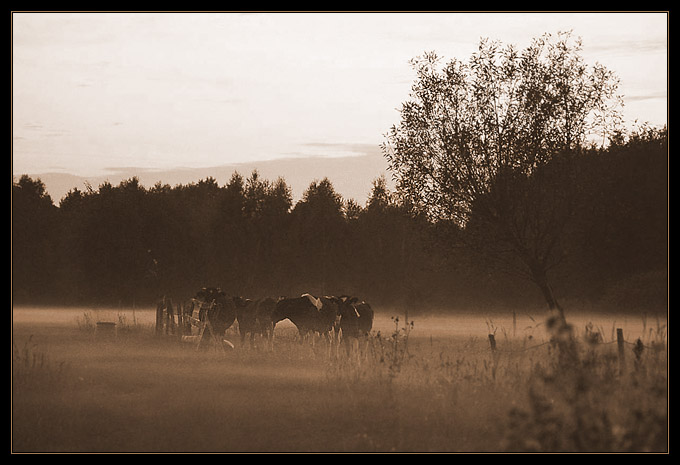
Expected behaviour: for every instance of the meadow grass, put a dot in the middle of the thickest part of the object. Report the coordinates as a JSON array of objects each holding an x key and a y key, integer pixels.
[{"x": 399, "y": 392}]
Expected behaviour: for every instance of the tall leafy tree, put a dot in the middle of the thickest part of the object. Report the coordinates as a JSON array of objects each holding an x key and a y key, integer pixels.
[
  {"x": 266, "y": 206},
  {"x": 34, "y": 239},
  {"x": 476, "y": 140},
  {"x": 317, "y": 225}
]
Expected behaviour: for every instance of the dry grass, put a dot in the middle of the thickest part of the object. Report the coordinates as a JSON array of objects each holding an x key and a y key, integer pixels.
[{"x": 406, "y": 392}]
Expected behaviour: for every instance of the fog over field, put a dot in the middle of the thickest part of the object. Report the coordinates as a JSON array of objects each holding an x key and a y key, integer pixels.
[
  {"x": 436, "y": 324},
  {"x": 77, "y": 390}
]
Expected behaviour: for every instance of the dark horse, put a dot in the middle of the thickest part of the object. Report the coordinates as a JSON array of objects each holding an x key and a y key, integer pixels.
[
  {"x": 309, "y": 314},
  {"x": 356, "y": 320},
  {"x": 255, "y": 317},
  {"x": 211, "y": 304}
]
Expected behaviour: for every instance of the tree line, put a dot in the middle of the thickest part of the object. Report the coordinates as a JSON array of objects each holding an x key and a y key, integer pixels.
[{"x": 127, "y": 244}]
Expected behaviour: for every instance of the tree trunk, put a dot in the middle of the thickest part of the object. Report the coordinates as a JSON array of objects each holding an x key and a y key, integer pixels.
[
  {"x": 541, "y": 280},
  {"x": 557, "y": 322}
]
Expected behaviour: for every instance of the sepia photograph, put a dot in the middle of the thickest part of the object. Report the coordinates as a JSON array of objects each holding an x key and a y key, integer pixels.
[{"x": 339, "y": 232}]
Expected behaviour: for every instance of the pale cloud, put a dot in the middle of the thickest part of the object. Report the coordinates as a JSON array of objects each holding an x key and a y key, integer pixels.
[
  {"x": 652, "y": 96},
  {"x": 632, "y": 47}
]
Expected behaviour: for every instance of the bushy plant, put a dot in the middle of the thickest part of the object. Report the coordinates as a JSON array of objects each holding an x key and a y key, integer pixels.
[{"x": 585, "y": 407}]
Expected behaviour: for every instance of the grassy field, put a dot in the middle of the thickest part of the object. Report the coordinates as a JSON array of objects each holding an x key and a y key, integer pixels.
[{"x": 431, "y": 387}]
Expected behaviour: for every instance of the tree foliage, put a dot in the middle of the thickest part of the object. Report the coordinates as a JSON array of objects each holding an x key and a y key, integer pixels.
[
  {"x": 491, "y": 145},
  {"x": 126, "y": 243}
]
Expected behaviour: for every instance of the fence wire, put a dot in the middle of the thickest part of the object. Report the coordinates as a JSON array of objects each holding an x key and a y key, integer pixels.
[{"x": 524, "y": 349}]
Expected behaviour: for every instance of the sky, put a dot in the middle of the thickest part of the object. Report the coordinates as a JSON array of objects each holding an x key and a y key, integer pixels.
[{"x": 177, "y": 97}]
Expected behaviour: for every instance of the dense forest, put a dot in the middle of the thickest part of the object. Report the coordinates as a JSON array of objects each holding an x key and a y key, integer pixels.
[{"x": 126, "y": 244}]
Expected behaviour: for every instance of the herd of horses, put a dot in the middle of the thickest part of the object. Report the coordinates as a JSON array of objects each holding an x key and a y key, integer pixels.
[{"x": 344, "y": 318}]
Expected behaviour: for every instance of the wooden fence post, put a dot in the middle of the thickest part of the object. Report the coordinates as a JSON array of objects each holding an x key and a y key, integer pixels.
[
  {"x": 180, "y": 320},
  {"x": 622, "y": 354},
  {"x": 159, "y": 318},
  {"x": 638, "y": 350},
  {"x": 494, "y": 354},
  {"x": 492, "y": 342},
  {"x": 171, "y": 317}
]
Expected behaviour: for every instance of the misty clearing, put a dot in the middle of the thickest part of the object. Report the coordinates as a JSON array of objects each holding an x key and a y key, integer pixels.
[{"x": 435, "y": 386}]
